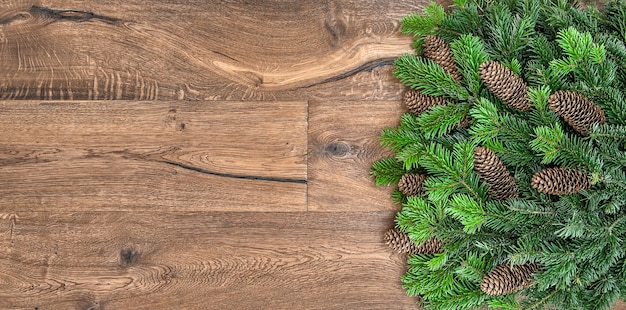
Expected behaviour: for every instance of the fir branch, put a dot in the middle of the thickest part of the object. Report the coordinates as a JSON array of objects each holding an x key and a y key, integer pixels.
[
  {"x": 616, "y": 17},
  {"x": 613, "y": 102},
  {"x": 611, "y": 132},
  {"x": 422, "y": 25},
  {"x": 539, "y": 74},
  {"x": 418, "y": 219},
  {"x": 469, "y": 53},
  {"x": 467, "y": 20},
  {"x": 543, "y": 49},
  {"x": 398, "y": 197},
  {"x": 467, "y": 211},
  {"x": 410, "y": 155},
  {"x": 577, "y": 46},
  {"x": 616, "y": 51},
  {"x": 473, "y": 268},
  {"x": 441, "y": 120},
  {"x": 541, "y": 115},
  {"x": 387, "y": 171},
  {"x": 487, "y": 124},
  {"x": 428, "y": 77},
  {"x": 566, "y": 150},
  {"x": 547, "y": 142},
  {"x": 505, "y": 302},
  {"x": 508, "y": 33}
]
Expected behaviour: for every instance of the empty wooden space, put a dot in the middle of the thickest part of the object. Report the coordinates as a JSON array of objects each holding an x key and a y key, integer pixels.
[
  {"x": 159, "y": 156},
  {"x": 197, "y": 154}
]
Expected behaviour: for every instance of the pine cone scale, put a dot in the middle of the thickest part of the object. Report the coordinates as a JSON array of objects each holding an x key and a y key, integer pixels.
[
  {"x": 560, "y": 181},
  {"x": 505, "y": 280},
  {"x": 578, "y": 111},
  {"x": 401, "y": 243},
  {"x": 492, "y": 171},
  {"x": 505, "y": 84},
  {"x": 412, "y": 184},
  {"x": 418, "y": 103},
  {"x": 438, "y": 51}
]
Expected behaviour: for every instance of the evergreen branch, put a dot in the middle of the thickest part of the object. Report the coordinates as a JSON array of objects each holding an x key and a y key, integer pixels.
[
  {"x": 469, "y": 53},
  {"x": 547, "y": 142},
  {"x": 428, "y": 77},
  {"x": 437, "y": 160},
  {"x": 467, "y": 211},
  {"x": 613, "y": 103},
  {"x": 487, "y": 124},
  {"x": 506, "y": 302},
  {"x": 441, "y": 120},
  {"x": 577, "y": 46},
  {"x": 611, "y": 132},
  {"x": 399, "y": 138},
  {"x": 508, "y": 33},
  {"x": 541, "y": 115},
  {"x": 616, "y": 17},
  {"x": 387, "y": 171},
  {"x": 418, "y": 219},
  {"x": 426, "y": 24},
  {"x": 464, "y": 21},
  {"x": 558, "y": 147},
  {"x": 410, "y": 155},
  {"x": 529, "y": 207}
]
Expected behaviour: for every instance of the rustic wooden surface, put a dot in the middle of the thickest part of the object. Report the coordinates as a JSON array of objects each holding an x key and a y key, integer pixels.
[
  {"x": 198, "y": 260},
  {"x": 197, "y": 154},
  {"x": 178, "y": 156},
  {"x": 343, "y": 143},
  {"x": 189, "y": 185},
  {"x": 200, "y": 50}
]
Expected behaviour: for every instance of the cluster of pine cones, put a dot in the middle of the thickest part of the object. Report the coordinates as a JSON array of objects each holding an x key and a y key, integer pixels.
[{"x": 578, "y": 111}]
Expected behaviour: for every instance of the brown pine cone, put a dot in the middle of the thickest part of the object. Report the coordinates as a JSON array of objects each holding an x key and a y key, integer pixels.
[
  {"x": 412, "y": 184},
  {"x": 504, "y": 280},
  {"x": 418, "y": 103},
  {"x": 505, "y": 84},
  {"x": 560, "y": 181},
  {"x": 493, "y": 172},
  {"x": 401, "y": 243},
  {"x": 578, "y": 111},
  {"x": 438, "y": 51}
]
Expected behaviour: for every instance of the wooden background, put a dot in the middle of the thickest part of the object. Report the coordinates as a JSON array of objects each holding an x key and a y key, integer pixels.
[{"x": 197, "y": 154}]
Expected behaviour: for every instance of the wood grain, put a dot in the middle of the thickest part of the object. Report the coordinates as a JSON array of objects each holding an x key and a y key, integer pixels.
[
  {"x": 207, "y": 50},
  {"x": 126, "y": 155},
  {"x": 214, "y": 260},
  {"x": 343, "y": 144}
]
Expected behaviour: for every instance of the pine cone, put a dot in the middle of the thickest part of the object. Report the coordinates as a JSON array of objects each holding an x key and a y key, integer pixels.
[
  {"x": 578, "y": 111},
  {"x": 418, "y": 103},
  {"x": 493, "y": 172},
  {"x": 504, "y": 280},
  {"x": 400, "y": 242},
  {"x": 412, "y": 184},
  {"x": 505, "y": 84},
  {"x": 560, "y": 181},
  {"x": 438, "y": 51}
]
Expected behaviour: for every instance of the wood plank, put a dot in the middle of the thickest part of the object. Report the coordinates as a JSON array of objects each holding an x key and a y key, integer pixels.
[
  {"x": 205, "y": 260},
  {"x": 216, "y": 50},
  {"x": 343, "y": 144},
  {"x": 127, "y": 155}
]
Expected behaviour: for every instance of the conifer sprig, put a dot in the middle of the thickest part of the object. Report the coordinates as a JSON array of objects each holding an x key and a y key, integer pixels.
[
  {"x": 554, "y": 117},
  {"x": 428, "y": 77}
]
